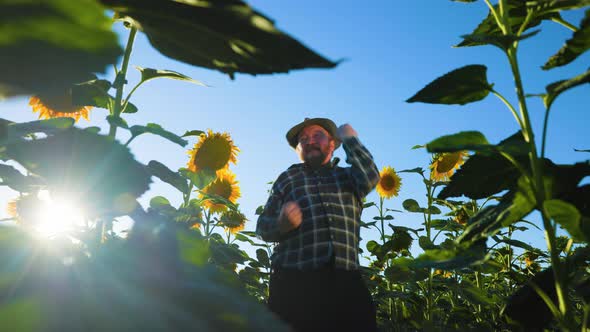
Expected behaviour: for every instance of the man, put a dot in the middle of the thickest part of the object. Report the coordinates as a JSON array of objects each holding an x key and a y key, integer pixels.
[{"x": 313, "y": 212}]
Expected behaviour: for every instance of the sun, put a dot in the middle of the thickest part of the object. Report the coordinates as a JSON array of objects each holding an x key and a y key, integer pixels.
[{"x": 47, "y": 216}]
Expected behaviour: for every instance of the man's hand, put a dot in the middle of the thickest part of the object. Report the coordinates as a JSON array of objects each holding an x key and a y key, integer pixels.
[
  {"x": 290, "y": 217},
  {"x": 345, "y": 131}
]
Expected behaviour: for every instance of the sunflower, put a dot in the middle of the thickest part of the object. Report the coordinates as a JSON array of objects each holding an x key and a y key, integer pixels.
[
  {"x": 58, "y": 106},
  {"x": 233, "y": 221},
  {"x": 224, "y": 186},
  {"x": 213, "y": 151},
  {"x": 389, "y": 183},
  {"x": 461, "y": 217},
  {"x": 443, "y": 165}
]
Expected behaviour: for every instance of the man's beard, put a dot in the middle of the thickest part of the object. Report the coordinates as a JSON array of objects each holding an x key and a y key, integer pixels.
[{"x": 315, "y": 160}]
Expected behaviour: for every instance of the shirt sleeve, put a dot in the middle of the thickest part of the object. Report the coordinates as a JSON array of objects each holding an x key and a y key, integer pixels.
[
  {"x": 363, "y": 170},
  {"x": 267, "y": 226}
]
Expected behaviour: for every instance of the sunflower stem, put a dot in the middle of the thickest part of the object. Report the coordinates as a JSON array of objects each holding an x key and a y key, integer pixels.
[
  {"x": 540, "y": 195},
  {"x": 510, "y": 107},
  {"x": 544, "y": 137},
  {"x": 120, "y": 81}
]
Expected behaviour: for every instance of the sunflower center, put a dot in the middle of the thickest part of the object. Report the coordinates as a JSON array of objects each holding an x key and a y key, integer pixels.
[
  {"x": 447, "y": 162},
  {"x": 388, "y": 182},
  {"x": 214, "y": 154},
  {"x": 220, "y": 188}
]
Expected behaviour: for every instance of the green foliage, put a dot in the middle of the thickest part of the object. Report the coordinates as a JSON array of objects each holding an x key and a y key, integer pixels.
[
  {"x": 99, "y": 171},
  {"x": 227, "y": 36},
  {"x": 74, "y": 38},
  {"x": 574, "y": 47},
  {"x": 460, "y": 86}
]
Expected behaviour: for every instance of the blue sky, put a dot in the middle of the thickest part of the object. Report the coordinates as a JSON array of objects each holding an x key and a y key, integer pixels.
[{"x": 392, "y": 49}]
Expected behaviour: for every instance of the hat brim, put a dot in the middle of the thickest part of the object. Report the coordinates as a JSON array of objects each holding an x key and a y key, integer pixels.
[{"x": 327, "y": 124}]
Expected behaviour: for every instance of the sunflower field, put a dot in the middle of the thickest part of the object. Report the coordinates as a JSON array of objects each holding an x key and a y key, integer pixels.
[{"x": 192, "y": 265}]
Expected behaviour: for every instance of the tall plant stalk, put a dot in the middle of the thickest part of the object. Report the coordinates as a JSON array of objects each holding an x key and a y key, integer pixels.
[{"x": 120, "y": 81}]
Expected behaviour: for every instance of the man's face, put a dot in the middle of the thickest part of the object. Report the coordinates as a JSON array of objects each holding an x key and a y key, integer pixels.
[{"x": 315, "y": 146}]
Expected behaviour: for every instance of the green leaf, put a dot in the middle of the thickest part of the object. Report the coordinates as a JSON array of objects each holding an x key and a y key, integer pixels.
[
  {"x": 149, "y": 74},
  {"x": 94, "y": 130},
  {"x": 567, "y": 216},
  {"x": 56, "y": 41},
  {"x": 501, "y": 41},
  {"x": 574, "y": 47},
  {"x": 95, "y": 169},
  {"x": 426, "y": 244},
  {"x": 418, "y": 170},
  {"x": 193, "y": 133},
  {"x": 117, "y": 121},
  {"x": 95, "y": 93},
  {"x": 156, "y": 129},
  {"x": 200, "y": 179},
  {"x": 49, "y": 126},
  {"x": 519, "y": 244},
  {"x": 485, "y": 175},
  {"x": 227, "y": 36},
  {"x": 262, "y": 257},
  {"x": 192, "y": 250},
  {"x": 551, "y": 6},
  {"x": 448, "y": 259},
  {"x": 517, "y": 10},
  {"x": 460, "y": 86},
  {"x": 159, "y": 202},
  {"x": 556, "y": 88},
  {"x": 465, "y": 140},
  {"x": 165, "y": 174},
  {"x": 411, "y": 205},
  {"x": 514, "y": 205},
  {"x": 24, "y": 314},
  {"x": 15, "y": 180},
  {"x": 473, "y": 294}
]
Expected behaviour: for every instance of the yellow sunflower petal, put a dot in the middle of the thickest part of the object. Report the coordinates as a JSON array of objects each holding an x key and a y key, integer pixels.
[
  {"x": 443, "y": 165},
  {"x": 224, "y": 186},
  {"x": 57, "y": 106},
  {"x": 213, "y": 151},
  {"x": 389, "y": 183}
]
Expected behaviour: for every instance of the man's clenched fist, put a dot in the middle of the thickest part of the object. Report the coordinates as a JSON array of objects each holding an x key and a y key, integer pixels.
[{"x": 290, "y": 217}]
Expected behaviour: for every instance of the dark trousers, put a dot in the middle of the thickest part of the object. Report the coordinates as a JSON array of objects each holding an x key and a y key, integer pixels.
[{"x": 322, "y": 300}]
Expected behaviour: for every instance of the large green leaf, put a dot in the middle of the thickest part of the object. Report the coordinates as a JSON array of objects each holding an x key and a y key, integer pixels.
[
  {"x": 465, "y": 140},
  {"x": 45, "y": 46},
  {"x": 156, "y": 129},
  {"x": 94, "y": 170},
  {"x": 227, "y": 36},
  {"x": 551, "y": 6},
  {"x": 567, "y": 216},
  {"x": 460, "y": 86},
  {"x": 14, "y": 179},
  {"x": 95, "y": 93},
  {"x": 574, "y": 47},
  {"x": 556, "y": 88},
  {"x": 488, "y": 29},
  {"x": 513, "y": 206},
  {"x": 174, "y": 179},
  {"x": 150, "y": 74},
  {"x": 462, "y": 255},
  {"x": 484, "y": 175},
  {"x": 501, "y": 41}
]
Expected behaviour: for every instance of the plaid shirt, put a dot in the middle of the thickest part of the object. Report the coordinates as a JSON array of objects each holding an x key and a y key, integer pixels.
[{"x": 330, "y": 199}]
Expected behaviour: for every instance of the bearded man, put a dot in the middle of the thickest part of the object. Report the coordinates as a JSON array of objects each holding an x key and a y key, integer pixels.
[{"x": 313, "y": 213}]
